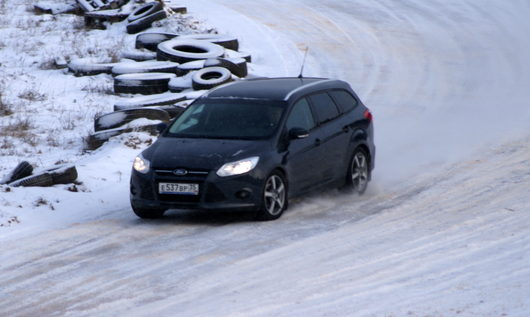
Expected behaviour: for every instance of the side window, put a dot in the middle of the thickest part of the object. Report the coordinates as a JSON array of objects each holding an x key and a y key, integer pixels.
[
  {"x": 344, "y": 100},
  {"x": 324, "y": 106},
  {"x": 300, "y": 116}
]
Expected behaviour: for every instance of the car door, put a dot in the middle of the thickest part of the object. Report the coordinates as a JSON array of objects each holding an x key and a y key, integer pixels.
[
  {"x": 334, "y": 136},
  {"x": 303, "y": 155}
]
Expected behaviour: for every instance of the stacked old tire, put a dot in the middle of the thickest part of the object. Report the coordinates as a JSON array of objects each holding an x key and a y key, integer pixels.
[{"x": 162, "y": 74}]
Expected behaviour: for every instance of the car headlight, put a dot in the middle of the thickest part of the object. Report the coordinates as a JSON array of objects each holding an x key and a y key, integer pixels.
[
  {"x": 141, "y": 165},
  {"x": 238, "y": 167}
]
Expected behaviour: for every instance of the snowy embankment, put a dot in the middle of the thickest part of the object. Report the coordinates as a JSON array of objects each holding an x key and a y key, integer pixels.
[{"x": 443, "y": 230}]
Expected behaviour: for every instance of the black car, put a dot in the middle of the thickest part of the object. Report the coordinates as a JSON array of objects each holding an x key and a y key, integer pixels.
[{"x": 253, "y": 144}]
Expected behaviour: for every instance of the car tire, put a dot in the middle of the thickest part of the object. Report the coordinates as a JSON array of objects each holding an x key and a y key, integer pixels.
[
  {"x": 145, "y": 22},
  {"x": 358, "y": 173},
  {"x": 210, "y": 77},
  {"x": 274, "y": 197},
  {"x": 148, "y": 213},
  {"x": 146, "y": 67}
]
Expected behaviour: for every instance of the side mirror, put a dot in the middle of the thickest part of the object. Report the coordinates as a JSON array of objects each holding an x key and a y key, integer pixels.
[
  {"x": 161, "y": 127},
  {"x": 298, "y": 133}
]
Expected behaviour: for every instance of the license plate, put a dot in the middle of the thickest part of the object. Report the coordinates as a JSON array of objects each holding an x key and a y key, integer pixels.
[{"x": 178, "y": 188}]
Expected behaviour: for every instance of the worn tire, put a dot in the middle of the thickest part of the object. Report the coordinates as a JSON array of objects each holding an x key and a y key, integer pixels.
[
  {"x": 145, "y": 10},
  {"x": 63, "y": 174},
  {"x": 182, "y": 51},
  {"x": 146, "y": 67},
  {"x": 145, "y": 22},
  {"x": 237, "y": 66},
  {"x": 97, "y": 139},
  {"x": 142, "y": 83},
  {"x": 150, "y": 40},
  {"x": 210, "y": 77},
  {"x": 84, "y": 67},
  {"x": 148, "y": 101},
  {"x": 139, "y": 56},
  {"x": 118, "y": 118},
  {"x": 23, "y": 169},
  {"x": 42, "y": 180},
  {"x": 226, "y": 41}
]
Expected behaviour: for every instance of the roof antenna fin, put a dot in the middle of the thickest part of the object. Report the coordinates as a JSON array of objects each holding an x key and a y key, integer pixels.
[{"x": 303, "y": 63}]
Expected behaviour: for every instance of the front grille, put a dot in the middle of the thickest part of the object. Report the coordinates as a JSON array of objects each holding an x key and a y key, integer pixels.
[{"x": 192, "y": 177}]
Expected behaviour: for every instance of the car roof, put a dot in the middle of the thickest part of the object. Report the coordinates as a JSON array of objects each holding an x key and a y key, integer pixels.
[{"x": 278, "y": 89}]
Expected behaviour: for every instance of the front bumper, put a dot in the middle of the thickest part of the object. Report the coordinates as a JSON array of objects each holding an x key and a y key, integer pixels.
[{"x": 242, "y": 192}]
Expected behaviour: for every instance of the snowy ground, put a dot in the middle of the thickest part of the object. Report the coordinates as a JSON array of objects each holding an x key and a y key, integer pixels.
[{"x": 443, "y": 230}]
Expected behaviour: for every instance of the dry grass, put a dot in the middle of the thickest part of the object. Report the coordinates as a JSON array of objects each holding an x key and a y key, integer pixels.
[
  {"x": 18, "y": 128},
  {"x": 5, "y": 109},
  {"x": 32, "y": 95}
]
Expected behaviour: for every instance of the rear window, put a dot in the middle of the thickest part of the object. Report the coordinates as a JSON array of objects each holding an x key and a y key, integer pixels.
[
  {"x": 324, "y": 106},
  {"x": 344, "y": 100}
]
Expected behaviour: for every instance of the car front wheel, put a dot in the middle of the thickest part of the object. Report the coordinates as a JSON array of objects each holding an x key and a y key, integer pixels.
[
  {"x": 358, "y": 172},
  {"x": 274, "y": 200}
]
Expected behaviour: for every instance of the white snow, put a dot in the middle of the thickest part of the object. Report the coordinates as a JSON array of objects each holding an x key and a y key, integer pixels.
[{"x": 442, "y": 230}]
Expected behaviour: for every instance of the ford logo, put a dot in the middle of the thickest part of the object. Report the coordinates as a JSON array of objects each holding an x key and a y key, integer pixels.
[{"x": 180, "y": 172}]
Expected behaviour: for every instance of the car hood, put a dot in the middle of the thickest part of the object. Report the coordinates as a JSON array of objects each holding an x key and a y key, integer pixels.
[{"x": 202, "y": 154}]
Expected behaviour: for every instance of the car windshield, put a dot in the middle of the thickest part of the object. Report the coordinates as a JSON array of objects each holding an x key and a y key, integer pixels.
[{"x": 228, "y": 119}]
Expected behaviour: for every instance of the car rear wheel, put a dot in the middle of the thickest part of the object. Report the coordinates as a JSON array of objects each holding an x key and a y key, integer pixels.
[
  {"x": 274, "y": 200},
  {"x": 358, "y": 172},
  {"x": 148, "y": 213}
]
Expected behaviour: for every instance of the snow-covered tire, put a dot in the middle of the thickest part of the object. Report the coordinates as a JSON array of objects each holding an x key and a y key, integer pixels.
[
  {"x": 150, "y": 40},
  {"x": 142, "y": 83},
  {"x": 182, "y": 51},
  {"x": 145, "y": 10},
  {"x": 146, "y": 67},
  {"x": 234, "y": 54},
  {"x": 237, "y": 66},
  {"x": 23, "y": 169},
  {"x": 226, "y": 41},
  {"x": 139, "y": 56},
  {"x": 172, "y": 110},
  {"x": 210, "y": 77},
  {"x": 188, "y": 67},
  {"x": 85, "y": 67},
  {"x": 145, "y": 22},
  {"x": 42, "y": 180},
  {"x": 148, "y": 101},
  {"x": 118, "y": 118},
  {"x": 97, "y": 139},
  {"x": 65, "y": 174},
  {"x": 179, "y": 84}
]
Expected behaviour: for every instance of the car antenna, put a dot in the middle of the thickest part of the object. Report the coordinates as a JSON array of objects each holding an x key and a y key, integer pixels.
[{"x": 303, "y": 63}]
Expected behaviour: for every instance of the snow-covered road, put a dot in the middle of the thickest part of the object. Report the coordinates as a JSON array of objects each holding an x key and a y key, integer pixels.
[{"x": 444, "y": 79}]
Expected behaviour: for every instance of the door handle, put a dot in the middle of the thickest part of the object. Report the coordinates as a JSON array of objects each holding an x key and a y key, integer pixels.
[
  {"x": 346, "y": 129},
  {"x": 317, "y": 142}
]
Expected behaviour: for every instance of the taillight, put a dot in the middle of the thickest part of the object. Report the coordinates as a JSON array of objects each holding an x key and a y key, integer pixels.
[{"x": 368, "y": 115}]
